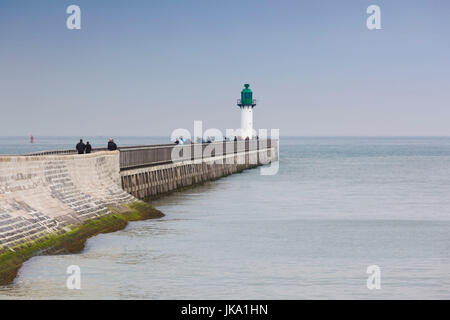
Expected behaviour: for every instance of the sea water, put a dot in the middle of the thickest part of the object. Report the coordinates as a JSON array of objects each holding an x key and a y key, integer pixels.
[{"x": 336, "y": 207}]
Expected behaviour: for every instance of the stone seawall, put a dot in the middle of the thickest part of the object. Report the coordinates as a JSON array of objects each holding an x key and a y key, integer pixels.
[
  {"x": 146, "y": 183},
  {"x": 45, "y": 194}
]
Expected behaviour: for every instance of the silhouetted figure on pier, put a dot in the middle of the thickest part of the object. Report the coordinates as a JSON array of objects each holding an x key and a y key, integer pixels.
[
  {"x": 235, "y": 138},
  {"x": 112, "y": 145},
  {"x": 80, "y": 147},
  {"x": 88, "y": 147}
]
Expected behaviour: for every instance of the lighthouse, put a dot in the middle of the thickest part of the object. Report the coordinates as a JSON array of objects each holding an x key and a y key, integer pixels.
[{"x": 246, "y": 104}]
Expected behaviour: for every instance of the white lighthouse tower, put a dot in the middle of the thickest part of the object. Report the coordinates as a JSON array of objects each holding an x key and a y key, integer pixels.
[{"x": 246, "y": 104}]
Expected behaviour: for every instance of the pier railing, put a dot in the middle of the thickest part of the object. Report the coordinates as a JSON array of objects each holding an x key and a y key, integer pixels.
[
  {"x": 132, "y": 157},
  {"x": 74, "y": 151}
]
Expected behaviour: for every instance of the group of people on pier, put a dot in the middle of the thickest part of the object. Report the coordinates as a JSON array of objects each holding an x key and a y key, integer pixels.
[
  {"x": 83, "y": 148},
  {"x": 181, "y": 140},
  {"x": 87, "y": 148}
]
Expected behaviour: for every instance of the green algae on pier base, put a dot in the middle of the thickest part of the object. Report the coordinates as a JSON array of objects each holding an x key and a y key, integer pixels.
[{"x": 73, "y": 241}]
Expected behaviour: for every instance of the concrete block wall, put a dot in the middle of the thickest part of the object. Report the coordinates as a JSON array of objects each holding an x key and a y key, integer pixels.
[{"x": 44, "y": 194}]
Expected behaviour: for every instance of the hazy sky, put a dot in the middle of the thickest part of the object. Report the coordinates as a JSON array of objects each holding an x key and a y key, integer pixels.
[{"x": 148, "y": 67}]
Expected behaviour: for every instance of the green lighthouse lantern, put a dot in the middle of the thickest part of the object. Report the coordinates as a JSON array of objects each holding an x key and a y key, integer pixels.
[{"x": 246, "y": 97}]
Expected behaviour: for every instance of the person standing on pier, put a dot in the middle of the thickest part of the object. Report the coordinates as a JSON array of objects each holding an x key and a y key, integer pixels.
[
  {"x": 112, "y": 145},
  {"x": 88, "y": 147},
  {"x": 80, "y": 147}
]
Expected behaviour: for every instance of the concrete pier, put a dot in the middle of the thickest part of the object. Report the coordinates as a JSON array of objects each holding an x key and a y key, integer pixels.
[
  {"x": 51, "y": 192},
  {"x": 165, "y": 175}
]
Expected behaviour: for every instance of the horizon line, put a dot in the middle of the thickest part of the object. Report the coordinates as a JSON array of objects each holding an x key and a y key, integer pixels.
[{"x": 281, "y": 136}]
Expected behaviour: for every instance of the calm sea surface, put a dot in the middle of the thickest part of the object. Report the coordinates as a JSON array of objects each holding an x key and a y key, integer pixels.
[{"x": 336, "y": 206}]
